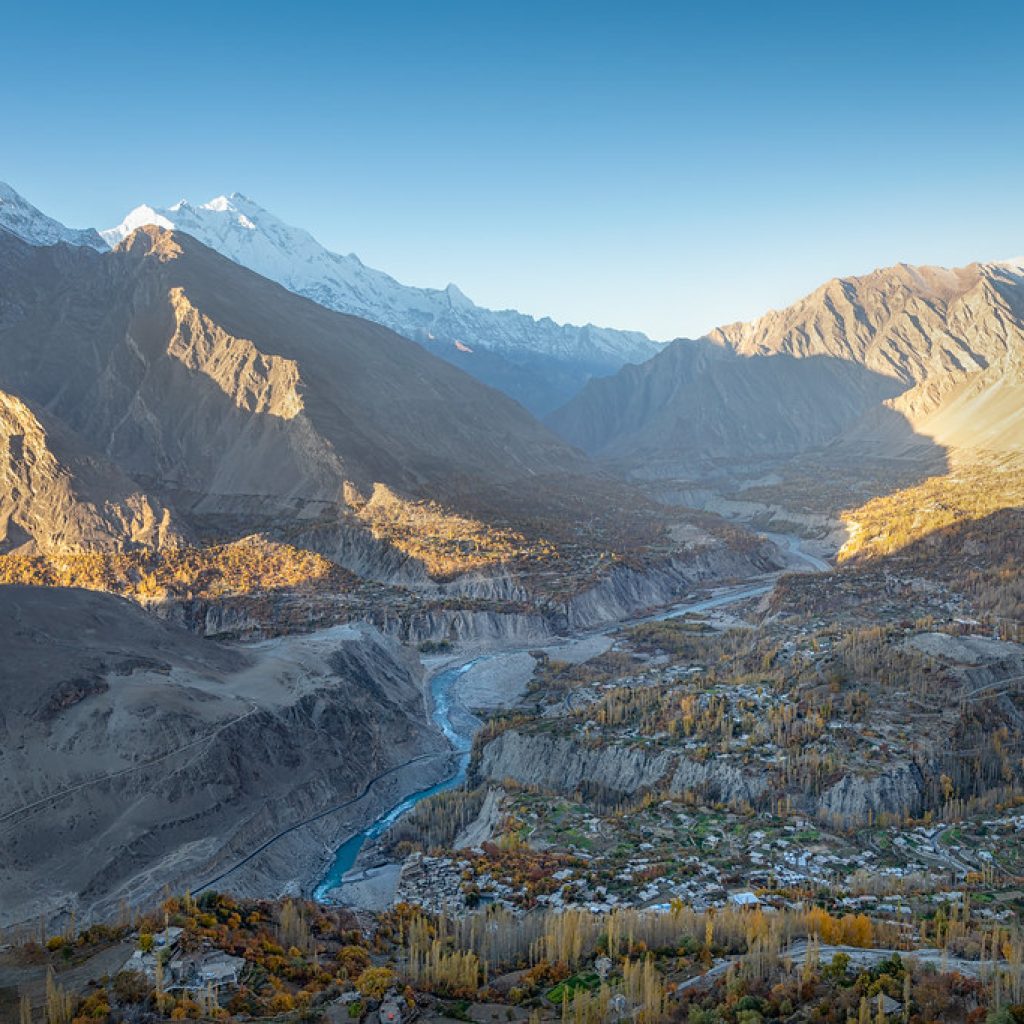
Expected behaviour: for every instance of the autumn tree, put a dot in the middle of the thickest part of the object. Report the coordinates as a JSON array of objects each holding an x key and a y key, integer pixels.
[{"x": 374, "y": 982}]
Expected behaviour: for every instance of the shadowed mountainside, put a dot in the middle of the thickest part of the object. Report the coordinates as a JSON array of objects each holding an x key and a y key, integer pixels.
[
  {"x": 137, "y": 755},
  {"x": 877, "y": 380},
  {"x": 696, "y": 404},
  {"x": 185, "y": 369},
  {"x": 927, "y": 327}
]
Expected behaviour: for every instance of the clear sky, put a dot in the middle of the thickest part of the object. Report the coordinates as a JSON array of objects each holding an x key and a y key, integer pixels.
[{"x": 658, "y": 166}]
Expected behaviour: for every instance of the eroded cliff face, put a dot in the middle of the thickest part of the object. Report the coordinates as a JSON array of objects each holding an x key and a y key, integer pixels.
[
  {"x": 459, "y": 626},
  {"x": 718, "y": 782},
  {"x": 489, "y": 608},
  {"x": 566, "y": 765},
  {"x": 626, "y": 591},
  {"x": 614, "y": 772},
  {"x": 148, "y": 757},
  {"x": 898, "y": 792},
  {"x": 352, "y": 546}
]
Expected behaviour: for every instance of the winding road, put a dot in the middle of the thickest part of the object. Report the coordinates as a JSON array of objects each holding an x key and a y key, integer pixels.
[
  {"x": 35, "y": 805},
  {"x": 335, "y": 809}
]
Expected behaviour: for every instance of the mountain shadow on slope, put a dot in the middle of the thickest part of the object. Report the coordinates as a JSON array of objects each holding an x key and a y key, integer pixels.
[
  {"x": 698, "y": 409},
  {"x": 184, "y": 369},
  {"x": 539, "y": 383}
]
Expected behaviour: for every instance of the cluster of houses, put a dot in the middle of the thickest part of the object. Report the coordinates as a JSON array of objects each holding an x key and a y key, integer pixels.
[
  {"x": 434, "y": 883},
  {"x": 181, "y": 971}
]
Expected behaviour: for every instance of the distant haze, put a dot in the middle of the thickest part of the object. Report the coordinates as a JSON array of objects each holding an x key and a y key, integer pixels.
[{"x": 648, "y": 168}]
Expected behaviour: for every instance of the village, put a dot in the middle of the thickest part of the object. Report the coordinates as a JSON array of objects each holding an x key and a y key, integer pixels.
[
  {"x": 773, "y": 727},
  {"x": 666, "y": 854}
]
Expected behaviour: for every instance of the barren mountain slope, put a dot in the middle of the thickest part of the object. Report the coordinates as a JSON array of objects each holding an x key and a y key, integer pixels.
[
  {"x": 928, "y": 327},
  {"x": 909, "y": 361},
  {"x": 245, "y": 409},
  {"x": 197, "y": 375},
  {"x": 135, "y": 755},
  {"x": 696, "y": 403}
]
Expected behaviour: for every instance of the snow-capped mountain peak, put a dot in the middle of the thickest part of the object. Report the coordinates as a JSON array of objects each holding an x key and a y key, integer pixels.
[
  {"x": 537, "y": 361},
  {"x": 137, "y": 218},
  {"x": 245, "y": 232},
  {"x": 457, "y": 297},
  {"x": 21, "y": 218},
  {"x": 221, "y": 204}
]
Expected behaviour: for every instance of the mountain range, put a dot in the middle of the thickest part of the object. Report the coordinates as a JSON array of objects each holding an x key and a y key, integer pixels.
[
  {"x": 891, "y": 362},
  {"x": 899, "y": 362},
  {"x": 181, "y": 408},
  {"x": 240, "y": 460},
  {"x": 538, "y": 362},
  {"x": 161, "y": 374}
]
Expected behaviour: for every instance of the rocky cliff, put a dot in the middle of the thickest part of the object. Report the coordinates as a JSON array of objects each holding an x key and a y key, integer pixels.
[
  {"x": 56, "y": 495},
  {"x": 898, "y": 791},
  {"x": 563, "y": 764},
  {"x": 626, "y": 591},
  {"x": 614, "y": 773}
]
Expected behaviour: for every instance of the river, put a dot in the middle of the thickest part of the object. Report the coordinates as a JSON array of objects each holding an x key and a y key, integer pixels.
[{"x": 458, "y": 725}]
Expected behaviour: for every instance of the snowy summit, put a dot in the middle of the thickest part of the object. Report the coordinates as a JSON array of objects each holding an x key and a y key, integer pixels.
[
  {"x": 21, "y": 218},
  {"x": 539, "y": 362}
]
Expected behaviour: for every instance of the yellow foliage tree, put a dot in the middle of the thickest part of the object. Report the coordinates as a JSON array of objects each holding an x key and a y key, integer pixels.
[{"x": 374, "y": 982}]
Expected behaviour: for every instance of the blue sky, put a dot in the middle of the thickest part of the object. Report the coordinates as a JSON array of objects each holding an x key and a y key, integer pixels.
[{"x": 658, "y": 166}]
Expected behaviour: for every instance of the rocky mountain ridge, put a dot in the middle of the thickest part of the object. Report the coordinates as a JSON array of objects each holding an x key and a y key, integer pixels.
[
  {"x": 213, "y": 385},
  {"x": 56, "y": 495},
  {"x": 31, "y": 225},
  {"x": 910, "y": 360}
]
